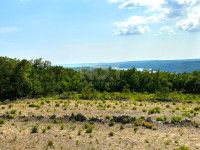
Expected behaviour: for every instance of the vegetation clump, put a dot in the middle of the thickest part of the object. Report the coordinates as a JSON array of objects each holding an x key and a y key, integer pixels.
[
  {"x": 154, "y": 111},
  {"x": 176, "y": 119},
  {"x": 111, "y": 133},
  {"x": 89, "y": 127},
  {"x": 111, "y": 123},
  {"x": 34, "y": 129},
  {"x": 161, "y": 118}
]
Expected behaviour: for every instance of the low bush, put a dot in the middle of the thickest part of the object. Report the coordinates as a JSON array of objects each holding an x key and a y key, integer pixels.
[
  {"x": 176, "y": 119},
  {"x": 148, "y": 125},
  {"x": 2, "y": 121},
  {"x": 89, "y": 127},
  {"x": 197, "y": 108},
  {"x": 126, "y": 120},
  {"x": 34, "y": 129},
  {"x": 154, "y": 111},
  {"x": 111, "y": 133},
  {"x": 161, "y": 118},
  {"x": 111, "y": 123},
  {"x": 108, "y": 117},
  {"x": 34, "y": 105},
  {"x": 182, "y": 147}
]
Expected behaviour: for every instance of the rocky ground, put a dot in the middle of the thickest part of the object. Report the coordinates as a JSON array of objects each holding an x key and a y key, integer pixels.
[{"x": 89, "y": 125}]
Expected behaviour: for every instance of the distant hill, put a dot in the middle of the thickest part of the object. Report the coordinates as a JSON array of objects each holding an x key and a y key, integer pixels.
[{"x": 178, "y": 66}]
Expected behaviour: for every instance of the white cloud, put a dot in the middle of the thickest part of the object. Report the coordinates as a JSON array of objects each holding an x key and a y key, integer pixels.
[
  {"x": 151, "y": 4},
  {"x": 132, "y": 31},
  {"x": 8, "y": 29},
  {"x": 136, "y": 20},
  {"x": 170, "y": 30},
  {"x": 191, "y": 22},
  {"x": 184, "y": 13}
]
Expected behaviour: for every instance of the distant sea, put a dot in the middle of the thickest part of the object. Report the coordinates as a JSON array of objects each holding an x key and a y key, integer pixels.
[{"x": 92, "y": 66}]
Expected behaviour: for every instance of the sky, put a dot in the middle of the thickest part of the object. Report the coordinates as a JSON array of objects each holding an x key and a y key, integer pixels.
[{"x": 89, "y": 31}]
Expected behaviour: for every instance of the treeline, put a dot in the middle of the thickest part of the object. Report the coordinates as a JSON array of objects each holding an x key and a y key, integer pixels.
[{"x": 38, "y": 78}]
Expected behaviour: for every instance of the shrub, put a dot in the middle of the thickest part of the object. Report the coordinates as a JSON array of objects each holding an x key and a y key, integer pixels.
[
  {"x": 34, "y": 105},
  {"x": 176, "y": 119},
  {"x": 108, "y": 117},
  {"x": 13, "y": 111},
  {"x": 57, "y": 105},
  {"x": 197, "y": 108},
  {"x": 142, "y": 117},
  {"x": 44, "y": 130},
  {"x": 148, "y": 125},
  {"x": 154, "y": 111},
  {"x": 144, "y": 110},
  {"x": 187, "y": 115},
  {"x": 34, "y": 129},
  {"x": 57, "y": 121},
  {"x": 10, "y": 116},
  {"x": 111, "y": 133},
  {"x": 161, "y": 118},
  {"x": 196, "y": 125},
  {"x": 126, "y": 120},
  {"x": 49, "y": 126},
  {"x": 138, "y": 122},
  {"x": 10, "y": 105},
  {"x": 134, "y": 108},
  {"x": 50, "y": 143},
  {"x": 121, "y": 127},
  {"x": 136, "y": 128},
  {"x": 89, "y": 127},
  {"x": 26, "y": 119},
  {"x": 77, "y": 143},
  {"x": 182, "y": 147},
  {"x": 111, "y": 123},
  {"x": 79, "y": 131},
  {"x": 2, "y": 121},
  {"x": 62, "y": 127}
]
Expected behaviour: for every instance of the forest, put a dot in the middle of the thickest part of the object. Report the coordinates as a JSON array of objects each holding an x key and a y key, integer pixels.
[{"x": 38, "y": 78}]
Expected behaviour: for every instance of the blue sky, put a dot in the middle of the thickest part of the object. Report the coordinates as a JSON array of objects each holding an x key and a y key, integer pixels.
[{"x": 84, "y": 31}]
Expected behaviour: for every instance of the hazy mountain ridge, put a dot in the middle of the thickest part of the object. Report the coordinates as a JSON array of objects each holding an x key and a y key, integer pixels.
[{"x": 178, "y": 66}]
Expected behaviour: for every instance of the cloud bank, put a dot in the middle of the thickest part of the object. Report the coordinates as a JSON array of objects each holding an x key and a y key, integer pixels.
[{"x": 185, "y": 15}]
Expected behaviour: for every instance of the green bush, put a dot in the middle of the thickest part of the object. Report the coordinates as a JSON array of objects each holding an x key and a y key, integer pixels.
[
  {"x": 10, "y": 116},
  {"x": 34, "y": 105},
  {"x": 57, "y": 121},
  {"x": 161, "y": 118},
  {"x": 135, "y": 128},
  {"x": 126, "y": 120},
  {"x": 154, "y": 111},
  {"x": 182, "y": 147},
  {"x": 197, "y": 108},
  {"x": 10, "y": 105},
  {"x": 176, "y": 119},
  {"x": 111, "y": 123},
  {"x": 111, "y": 133},
  {"x": 121, "y": 127},
  {"x": 108, "y": 117},
  {"x": 13, "y": 111},
  {"x": 89, "y": 127},
  {"x": 26, "y": 119},
  {"x": 2, "y": 121},
  {"x": 34, "y": 129}
]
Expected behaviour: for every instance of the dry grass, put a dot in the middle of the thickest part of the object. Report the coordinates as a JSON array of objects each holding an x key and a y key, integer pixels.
[{"x": 15, "y": 134}]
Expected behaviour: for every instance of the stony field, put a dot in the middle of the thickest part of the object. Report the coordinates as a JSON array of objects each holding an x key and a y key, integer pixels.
[{"x": 99, "y": 125}]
